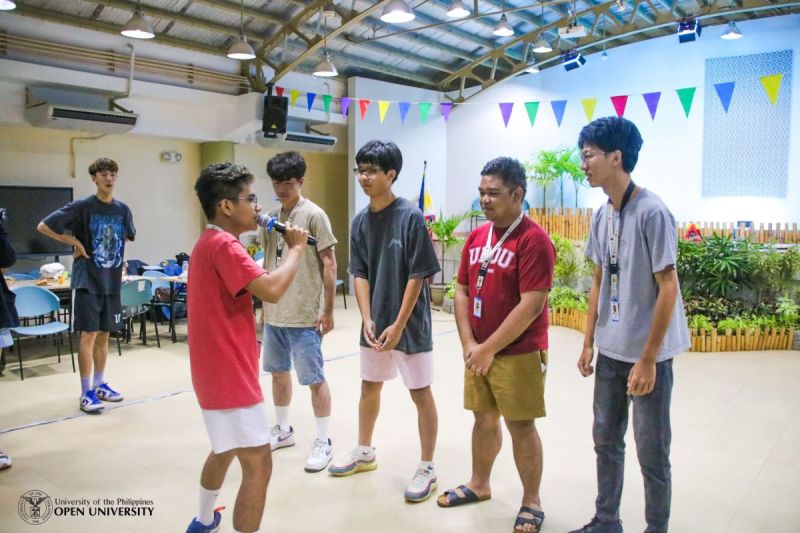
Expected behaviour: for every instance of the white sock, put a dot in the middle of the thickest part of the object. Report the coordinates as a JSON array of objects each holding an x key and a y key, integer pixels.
[
  {"x": 365, "y": 450},
  {"x": 282, "y": 414},
  {"x": 426, "y": 464},
  {"x": 206, "y": 502},
  {"x": 322, "y": 427}
]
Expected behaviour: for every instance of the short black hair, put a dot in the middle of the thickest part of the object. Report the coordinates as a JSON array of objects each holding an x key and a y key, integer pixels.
[
  {"x": 384, "y": 154},
  {"x": 614, "y": 133},
  {"x": 286, "y": 166},
  {"x": 219, "y": 181},
  {"x": 104, "y": 163},
  {"x": 509, "y": 170}
]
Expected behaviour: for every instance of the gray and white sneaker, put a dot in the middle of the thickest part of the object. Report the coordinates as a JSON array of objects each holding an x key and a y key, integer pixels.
[
  {"x": 281, "y": 439},
  {"x": 321, "y": 454},
  {"x": 422, "y": 485}
]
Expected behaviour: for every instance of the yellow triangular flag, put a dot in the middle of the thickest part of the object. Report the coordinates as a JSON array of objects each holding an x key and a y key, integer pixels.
[
  {"x": 588, "y": 107},
  {"x": 772, "y": 84},
  {"x": 383, "y": 106},
  {"x": 294, "y": 93}
]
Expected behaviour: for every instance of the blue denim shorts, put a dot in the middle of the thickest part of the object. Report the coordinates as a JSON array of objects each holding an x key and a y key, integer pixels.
[{"x": 283, "y": 346}]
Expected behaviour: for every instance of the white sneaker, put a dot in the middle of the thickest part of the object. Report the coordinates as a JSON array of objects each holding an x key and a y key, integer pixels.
[
  {"x": 321, "y": 454},
  {"x": 281, "y": 439},
  {"x": 353, "y": 462},
  {"x": 5, "y": 461},
  {"x": 422, "y": 485}
]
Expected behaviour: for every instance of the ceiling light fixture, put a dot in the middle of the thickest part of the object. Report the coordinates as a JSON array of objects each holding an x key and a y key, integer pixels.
[
  {"x": 138, "y": 27},
  {"x": 604, "y": 55},
  {"x": 732, "y": 32},
  {"x": 7, "y": 5},
  {"x": 620, "y": 6},
  {"x": 533, "y": 69},
  {"x": 397, "y": 12},
  {"x": 457, "y": 10},
  {"x": 503, "y": 28},
  {"x": 325, "y": 68},
  {"x": 542, "y": 46},
  {"x": 241, "y": 49}
]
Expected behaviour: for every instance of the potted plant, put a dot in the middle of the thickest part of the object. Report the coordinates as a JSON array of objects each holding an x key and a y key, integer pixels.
[
  {"x": 448, "y": 303},
  {"x": 444, "y": 229}
]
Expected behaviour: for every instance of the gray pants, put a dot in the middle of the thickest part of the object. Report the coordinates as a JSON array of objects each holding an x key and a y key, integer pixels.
[{"x": 651, "y": 430}]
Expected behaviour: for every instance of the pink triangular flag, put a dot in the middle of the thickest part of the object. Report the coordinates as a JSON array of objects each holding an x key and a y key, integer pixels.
[{"x": 619, "y": 104}]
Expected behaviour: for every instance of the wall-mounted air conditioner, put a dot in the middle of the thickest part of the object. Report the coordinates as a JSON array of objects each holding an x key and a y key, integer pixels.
[
  {"x": 44, "y": 114},
  {"x": 297, "y": 140}
]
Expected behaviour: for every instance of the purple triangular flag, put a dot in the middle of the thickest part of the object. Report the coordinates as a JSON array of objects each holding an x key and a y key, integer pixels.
[
  {"x": 725, "y": 91},
  {"x": 558, "y": 109},
  {"x": 310, "y": 97},
  {"x": 404, "y": 107},
  {"x": 346, "y": 104},
  {"x": 505, "y": 110},
  {"x": 446, "y": 108},
  {"x": 651, "y": 99}
]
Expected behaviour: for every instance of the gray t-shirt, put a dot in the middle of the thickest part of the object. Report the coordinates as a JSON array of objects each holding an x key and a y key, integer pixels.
[
  {"x": 300, "y": 305},
  {"x": 387, "y": 248},
  {"x": 647, "y": 244}
]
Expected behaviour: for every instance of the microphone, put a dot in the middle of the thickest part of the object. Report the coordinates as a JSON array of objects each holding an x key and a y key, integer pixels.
[{"x": 271, "y": 223}]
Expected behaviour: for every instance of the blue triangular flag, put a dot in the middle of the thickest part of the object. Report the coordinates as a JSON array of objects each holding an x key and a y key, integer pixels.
[
  {"x": 403, "y": 107},
  {"x": 725, "y": 91},
  {"x": 558, "y": 109},
  {"x": 310, "y": 97}
]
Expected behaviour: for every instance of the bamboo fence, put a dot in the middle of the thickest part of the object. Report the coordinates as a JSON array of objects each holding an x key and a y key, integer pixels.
[
  {"x": 569, "y": 318},
  {"x": 741, "y": 340},
  {"x": 572, "y": 224}
]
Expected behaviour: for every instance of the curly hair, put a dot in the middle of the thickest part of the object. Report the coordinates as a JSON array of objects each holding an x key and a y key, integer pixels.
[
  {"x": 286, "y": 166},
  {"x": 103, "y": 164}
]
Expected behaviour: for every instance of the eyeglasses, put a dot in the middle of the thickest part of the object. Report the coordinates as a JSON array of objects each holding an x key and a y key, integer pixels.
[
  {"x": 251, "y": 198},
  {"x": 586, "y": 157},
  {"x": 366, "y": 172}
]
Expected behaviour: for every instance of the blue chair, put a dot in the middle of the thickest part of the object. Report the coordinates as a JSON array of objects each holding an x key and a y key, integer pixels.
[
  {"x": 340, "y": 283},
  {"x": 136, "y": 298},
  {"x": 38, "y": 302},
  {"x": 19, "y": 276},
  {"x": 156, "y": 284},
  {"x": 34, "y": 273}
]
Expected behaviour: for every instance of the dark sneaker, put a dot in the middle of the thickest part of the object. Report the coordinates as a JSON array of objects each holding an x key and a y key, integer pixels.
[{"x": 596, "y": 526}]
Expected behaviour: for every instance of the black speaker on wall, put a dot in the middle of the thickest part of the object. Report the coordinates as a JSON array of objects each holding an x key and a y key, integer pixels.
[{"x": 275, "y": 110}]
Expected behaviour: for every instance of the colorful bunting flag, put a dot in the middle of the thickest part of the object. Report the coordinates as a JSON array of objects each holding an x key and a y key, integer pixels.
[
  {"x": 425, "y": 199},
  {"x": 651, "y": 99},
  {"x": 558, "y": 109},
  {"x": 310, "y": 97},
  {"x": 326, "y": 101},
  {"x": 725, "y": 91},
  {"x": 293, "y": 94},
  {"x": 279, "y": 91},
  {"x": 588, "y": 107},
  {"x": 346, "y": 104},
  {"x": 505, "y": 111},
  {"x": 446, "y": 108},
  {"x": 619, "y": 103},
  {"x": 772, "y": 84},
  {"x": 403, "y": 107},
  {"x": 686, "y": 96},
  {"x": 363, "y": 103},
  {"x": 424, "y": 109},
  {"x": 532, "y": 108},
  {"x": 383, "y": 106}
]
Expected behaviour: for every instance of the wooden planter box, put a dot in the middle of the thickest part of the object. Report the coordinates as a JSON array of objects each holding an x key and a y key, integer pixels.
[
  {"x": 569, "y": 318},
  {"x": 741, "y": 340}
]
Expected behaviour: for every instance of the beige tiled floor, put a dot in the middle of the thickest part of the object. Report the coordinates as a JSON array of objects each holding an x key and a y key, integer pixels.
[{"x": 736, "y": 435}]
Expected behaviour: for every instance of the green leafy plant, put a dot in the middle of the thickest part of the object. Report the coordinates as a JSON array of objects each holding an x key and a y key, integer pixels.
[
  {"x": 562, "y": 297},
  {"x": 716, "y": 267},
  {"x": 450, "y": 289},
  {"x": 700, "y": 322},
  {"x": 787, "y": 312},
  {"x": 559, "y": 165},
  {"x": 444, "y": 229},
  {"x": 568, "y": 263}
]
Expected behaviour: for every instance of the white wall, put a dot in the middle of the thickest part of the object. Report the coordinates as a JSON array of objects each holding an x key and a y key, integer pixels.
[
  {"x": 418, "y": 142},
  {"x": 670, "y": 162}
]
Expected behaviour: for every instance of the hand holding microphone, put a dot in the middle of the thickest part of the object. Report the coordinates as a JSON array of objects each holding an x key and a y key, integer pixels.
[{"x": 271, "y": 223}]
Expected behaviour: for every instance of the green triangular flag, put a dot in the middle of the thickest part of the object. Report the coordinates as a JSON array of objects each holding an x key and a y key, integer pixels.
[
  {"x": 687, "y": 96},
  {"x": 424, "y": 109},
  {"x": 532, "y": 108},
  {"x": 326, "y": 100}
]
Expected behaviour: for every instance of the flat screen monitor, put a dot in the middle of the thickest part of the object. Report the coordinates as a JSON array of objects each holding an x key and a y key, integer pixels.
[{"x": 25, "y": 208}]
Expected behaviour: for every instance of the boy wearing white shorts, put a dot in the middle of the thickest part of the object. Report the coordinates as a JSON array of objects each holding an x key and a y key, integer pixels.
[
  {"x": 223, "y": 351},
  {"x": 391, "y": 254}
]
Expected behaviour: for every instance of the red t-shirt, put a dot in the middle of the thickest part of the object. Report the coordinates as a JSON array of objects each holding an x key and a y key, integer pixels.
[
  {"x": 223, "y": 351},
  {"x": 524, "y": 263}
]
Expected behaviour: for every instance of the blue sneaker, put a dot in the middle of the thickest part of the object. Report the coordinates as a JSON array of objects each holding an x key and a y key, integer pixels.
[
  {"x": 90, "y": 403},
  {"x": 107, "y": 394},
  {"x": 213, "y": 527}
]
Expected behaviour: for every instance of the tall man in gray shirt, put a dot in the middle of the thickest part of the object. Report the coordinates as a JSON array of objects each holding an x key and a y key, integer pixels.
[{"x": 636, "y": 318}]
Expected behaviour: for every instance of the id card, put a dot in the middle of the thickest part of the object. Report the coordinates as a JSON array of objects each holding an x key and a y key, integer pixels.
[
  {"x": 477, "y": 306},
  {"x": 615, "y": 310}
]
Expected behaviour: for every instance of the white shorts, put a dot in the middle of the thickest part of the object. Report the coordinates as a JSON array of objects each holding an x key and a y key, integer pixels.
[
  {"x": 416, "y": 369},
  {"x": 242, "y": 427}
]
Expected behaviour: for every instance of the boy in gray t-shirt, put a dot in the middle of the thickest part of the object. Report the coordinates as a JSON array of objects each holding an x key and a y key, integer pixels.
[
  {"x": 637, "y": 320},
  {"x": 391, "y": 254}
]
